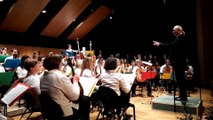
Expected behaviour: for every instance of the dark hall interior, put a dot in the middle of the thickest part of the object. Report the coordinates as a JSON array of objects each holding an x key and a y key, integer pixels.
[{"x": 130, "y": 28}]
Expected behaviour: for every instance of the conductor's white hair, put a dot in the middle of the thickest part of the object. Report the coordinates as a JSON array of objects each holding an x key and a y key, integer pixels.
[{"x": 179, "y": 28}]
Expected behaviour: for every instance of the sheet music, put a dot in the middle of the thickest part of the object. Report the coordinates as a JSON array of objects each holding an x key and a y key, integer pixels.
[
  {"x": 165, "y": 76},
  {"x": 129, "y": 77},
  {"x": 14, "y": 93},
  {"x": 12, "y": 63},
  {"x": 88, "y": 84}
]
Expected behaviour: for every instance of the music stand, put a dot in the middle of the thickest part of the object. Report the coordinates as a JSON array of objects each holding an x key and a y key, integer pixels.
[
  {"x": 173, "y": 77},
  {"x": 71, "y": 54},
  {"x": 164, "y": 77},
  {"x": 148, "y": 76},
  {"x": 11, "y": 63}
]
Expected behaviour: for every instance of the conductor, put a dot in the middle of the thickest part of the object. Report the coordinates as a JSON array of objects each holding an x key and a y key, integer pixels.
[{"x": 178, "y": 55}]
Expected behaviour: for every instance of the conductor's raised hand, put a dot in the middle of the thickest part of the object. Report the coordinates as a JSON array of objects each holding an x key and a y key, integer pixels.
[{"x": 156, "y": 43}]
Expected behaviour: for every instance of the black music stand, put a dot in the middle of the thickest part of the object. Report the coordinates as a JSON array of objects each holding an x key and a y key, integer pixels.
[
  {"x": 173, "y": 77},
  {"x": 149, "y": 76}
]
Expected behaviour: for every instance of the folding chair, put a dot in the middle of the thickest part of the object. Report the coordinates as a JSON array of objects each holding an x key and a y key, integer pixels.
[
  {"x": 50, "y": 109},
  {"x": 30, "y": 103},
  {"x": 110, "y": 105}
]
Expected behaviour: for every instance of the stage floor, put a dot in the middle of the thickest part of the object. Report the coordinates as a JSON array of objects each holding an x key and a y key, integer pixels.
[{"x": 166, "y": 102}]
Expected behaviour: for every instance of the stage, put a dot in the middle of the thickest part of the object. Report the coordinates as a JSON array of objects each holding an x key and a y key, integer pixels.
[{"x": 166, "y": 102}]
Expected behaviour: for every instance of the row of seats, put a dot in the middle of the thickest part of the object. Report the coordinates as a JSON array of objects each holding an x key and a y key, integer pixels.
[
  {"x": 51, "y": 110},
  {"x": 49, "y": 107}
]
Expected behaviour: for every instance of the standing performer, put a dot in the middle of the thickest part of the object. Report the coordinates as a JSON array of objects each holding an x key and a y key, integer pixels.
[
  {"x": 178, "y": 55},
  {"x": 70, "y": 50}
]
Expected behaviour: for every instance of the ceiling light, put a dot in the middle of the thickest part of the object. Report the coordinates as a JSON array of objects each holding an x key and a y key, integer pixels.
[{"x": 43, "y": 11}]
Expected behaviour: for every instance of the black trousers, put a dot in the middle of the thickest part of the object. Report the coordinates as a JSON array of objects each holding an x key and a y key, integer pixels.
[
  {"x": 181, "y": 81},
  {"x": 146, "y": 82}
]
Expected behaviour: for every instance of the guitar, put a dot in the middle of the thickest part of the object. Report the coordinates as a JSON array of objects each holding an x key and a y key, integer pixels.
[{"x": 139, "y": 75}]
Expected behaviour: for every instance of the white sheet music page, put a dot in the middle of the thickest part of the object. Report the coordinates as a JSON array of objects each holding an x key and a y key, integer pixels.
[
  {"x": 129, "y": 78},
  {"x": 11, "y": 96},
  {"x": 88, "y": 84}
]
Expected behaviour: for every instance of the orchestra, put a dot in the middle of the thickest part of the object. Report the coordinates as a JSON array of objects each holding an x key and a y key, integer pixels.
[{"x": 147, "y": 72}]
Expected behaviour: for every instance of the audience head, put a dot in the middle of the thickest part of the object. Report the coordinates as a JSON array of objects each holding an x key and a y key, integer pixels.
[
  {"x": 36, "y": 55},
  {"x": 110, "y": 63},
  {"x": 167, "y": 61},
  {"x": 30, "y": 66},
  {"x": 52, "y": 62},
  {"x": 83, "y": 48},
  {"x": 87, "y": 63},
  {"x": 23, "y": 59},
  {"x": 69, "y": 46},
  {"x": 4, "y": 51},
  {"x": 14, "y": 53}
]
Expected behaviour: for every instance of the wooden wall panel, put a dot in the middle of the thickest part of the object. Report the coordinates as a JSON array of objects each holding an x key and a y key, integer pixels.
[
  {"x": 65, "y": 17},
  {"x": 22, "y": 14},
  {"x": 91, "y": 22}
]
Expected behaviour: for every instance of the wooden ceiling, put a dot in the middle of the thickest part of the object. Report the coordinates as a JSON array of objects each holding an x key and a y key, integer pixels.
[{"x": 68, "y": 19}]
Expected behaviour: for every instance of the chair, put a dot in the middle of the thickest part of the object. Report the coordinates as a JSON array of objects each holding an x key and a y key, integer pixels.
[
  {"x": 49, "y": 108},
  {"x": 162, "y": 87},
  {"x": 30, "y": 103},
  {"x": 110, "y": 104}
]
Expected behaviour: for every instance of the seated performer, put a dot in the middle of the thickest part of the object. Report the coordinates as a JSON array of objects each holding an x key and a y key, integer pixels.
[
  {"x": 139, "y": 81},
  {"x": 115, "y": 81},
  {"x": 189, "y": 77},
  {"x": 165, "y": 76},
  {"x": 64, "y": 91}
]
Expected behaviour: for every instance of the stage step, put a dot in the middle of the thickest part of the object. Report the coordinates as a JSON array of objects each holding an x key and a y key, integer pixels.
[{"x": 166, "y": 102}]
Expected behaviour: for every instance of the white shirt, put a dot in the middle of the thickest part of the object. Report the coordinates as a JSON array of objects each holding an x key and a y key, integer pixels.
[
  {"x": 2, "y": 68},
  {"x": 87, "y": 73},
  {"x": 21, "y": 72},
  {"x": 34, "y": 82},
  {"x": 115, "y": 81},
  {"x": 163, "y": 66},
  {"x": 61, "y": 89}
]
